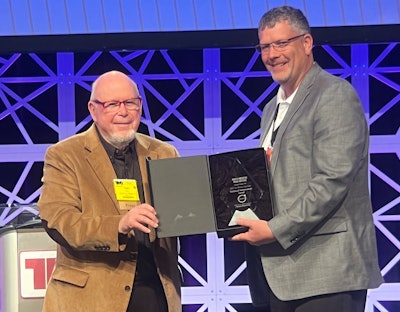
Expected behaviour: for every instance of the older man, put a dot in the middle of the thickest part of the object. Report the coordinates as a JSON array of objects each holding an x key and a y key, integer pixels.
[{"x": 108, "y": 258}]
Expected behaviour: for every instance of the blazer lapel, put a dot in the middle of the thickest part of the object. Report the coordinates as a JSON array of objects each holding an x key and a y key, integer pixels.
[
  {"x": 100, "y": 164},
  {"x": 269, "y": 111},
  {"x": 298, "y": 101}
]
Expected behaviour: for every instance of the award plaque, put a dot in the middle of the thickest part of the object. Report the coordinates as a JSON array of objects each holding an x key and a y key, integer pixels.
[
  {"x": 240, "y": 188},
  {"x": 202, "y": 194}
]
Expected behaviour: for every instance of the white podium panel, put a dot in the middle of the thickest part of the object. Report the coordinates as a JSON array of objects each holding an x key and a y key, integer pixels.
[{"x": 27, "y": 259}]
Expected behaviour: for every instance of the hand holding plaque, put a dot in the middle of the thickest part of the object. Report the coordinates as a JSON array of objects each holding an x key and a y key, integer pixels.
[{"x": 213, "y": 190}]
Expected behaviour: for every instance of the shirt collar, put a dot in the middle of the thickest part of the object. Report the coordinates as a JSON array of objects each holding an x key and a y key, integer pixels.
[{"x": 280, "y": 98}]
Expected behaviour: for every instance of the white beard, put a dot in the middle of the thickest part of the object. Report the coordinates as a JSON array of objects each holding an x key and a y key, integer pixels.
[{"x": 122, "y": 141}]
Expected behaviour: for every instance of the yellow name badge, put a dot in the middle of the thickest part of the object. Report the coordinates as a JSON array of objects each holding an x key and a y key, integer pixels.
[{"x": 127, "y": 193}]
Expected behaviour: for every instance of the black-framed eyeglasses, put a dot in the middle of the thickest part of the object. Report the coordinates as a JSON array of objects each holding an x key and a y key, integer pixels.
[
  {"x": 279, "y": 46},
  {"x": 133, "y": 104}
]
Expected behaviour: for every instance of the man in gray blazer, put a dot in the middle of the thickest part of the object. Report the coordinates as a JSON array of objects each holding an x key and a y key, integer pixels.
[{"x": 318, "y": 252}]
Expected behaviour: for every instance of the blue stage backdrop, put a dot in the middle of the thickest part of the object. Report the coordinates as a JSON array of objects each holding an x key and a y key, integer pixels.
[
  {"x": 204, "y": 90},
  {"x": 203, "y": 101},
  {"x": 49, "y": 17}
]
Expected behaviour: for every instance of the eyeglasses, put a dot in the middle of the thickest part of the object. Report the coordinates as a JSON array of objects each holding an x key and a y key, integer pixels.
[
  {"x": 277, "y": 45},
  {"x": 113, "y": 106}
]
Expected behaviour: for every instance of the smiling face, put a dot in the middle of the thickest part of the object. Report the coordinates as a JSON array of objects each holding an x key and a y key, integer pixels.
[
  {"x": 117, "y": 128},
  {"x": 289, "y": 66}
]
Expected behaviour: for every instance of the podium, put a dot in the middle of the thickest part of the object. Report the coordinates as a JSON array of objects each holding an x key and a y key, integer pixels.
[{"x": 27, "y": 259}]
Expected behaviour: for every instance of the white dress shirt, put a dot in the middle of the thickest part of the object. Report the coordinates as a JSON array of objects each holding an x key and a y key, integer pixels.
[{"x": 283, "y": 107}]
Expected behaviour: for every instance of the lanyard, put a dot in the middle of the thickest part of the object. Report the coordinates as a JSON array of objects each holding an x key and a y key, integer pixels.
[{"x": 274, "y": 131}]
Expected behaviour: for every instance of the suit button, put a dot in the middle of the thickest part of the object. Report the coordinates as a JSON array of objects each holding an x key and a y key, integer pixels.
[{"x": 127, "y": 288}]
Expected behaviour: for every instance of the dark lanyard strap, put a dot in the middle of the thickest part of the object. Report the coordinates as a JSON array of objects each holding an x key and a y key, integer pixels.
[{"x": 274, "y": 131}]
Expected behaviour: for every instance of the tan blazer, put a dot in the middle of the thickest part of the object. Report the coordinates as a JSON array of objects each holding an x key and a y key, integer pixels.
[{"x": 93, "y": 271}]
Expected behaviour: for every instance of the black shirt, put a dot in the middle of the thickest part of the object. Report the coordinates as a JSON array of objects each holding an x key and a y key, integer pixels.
[
  {"x": 147, "y": 293},
  {"x": 126, "y": 166}
]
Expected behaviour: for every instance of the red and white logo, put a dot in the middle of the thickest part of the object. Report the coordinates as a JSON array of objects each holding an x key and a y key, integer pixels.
[{"x": 35, "y": 268}]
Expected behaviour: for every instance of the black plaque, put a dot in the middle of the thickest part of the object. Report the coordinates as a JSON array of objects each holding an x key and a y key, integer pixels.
[{"x": 240, "y": 188}]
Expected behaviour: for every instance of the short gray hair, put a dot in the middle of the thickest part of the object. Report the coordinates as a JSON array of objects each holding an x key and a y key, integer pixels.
[{"x": 293, "y": 16}]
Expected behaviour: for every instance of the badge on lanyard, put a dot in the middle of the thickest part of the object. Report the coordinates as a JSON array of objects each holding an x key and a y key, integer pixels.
[{"x": 127, "y": 193}]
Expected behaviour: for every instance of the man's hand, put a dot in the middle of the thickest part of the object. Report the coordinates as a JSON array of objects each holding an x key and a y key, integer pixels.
[
  {"x": 138, "y": 218},
  {"x": 258, "y": 233}
]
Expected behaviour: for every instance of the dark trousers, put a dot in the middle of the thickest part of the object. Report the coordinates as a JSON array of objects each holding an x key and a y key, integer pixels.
[
  {"x": 350, "y": 301},
  {"x": 147, "y": 298},
  {"x": 147, "y": 293}
]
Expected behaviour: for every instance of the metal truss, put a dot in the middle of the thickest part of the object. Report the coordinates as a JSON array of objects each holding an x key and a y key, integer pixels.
[{"x": 202, "y": 101}]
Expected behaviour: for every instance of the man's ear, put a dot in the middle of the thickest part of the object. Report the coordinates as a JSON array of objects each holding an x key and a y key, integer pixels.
[
  {"x": 91, "y": 108},
  {"x": 308, "y": 43}
]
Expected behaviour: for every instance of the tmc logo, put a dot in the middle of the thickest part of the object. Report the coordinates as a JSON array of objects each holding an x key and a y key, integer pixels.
[{"x": 35, "y": 268}]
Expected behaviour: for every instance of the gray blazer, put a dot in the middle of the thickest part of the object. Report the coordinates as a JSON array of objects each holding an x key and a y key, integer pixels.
[{"x": 319, "y": 176}]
